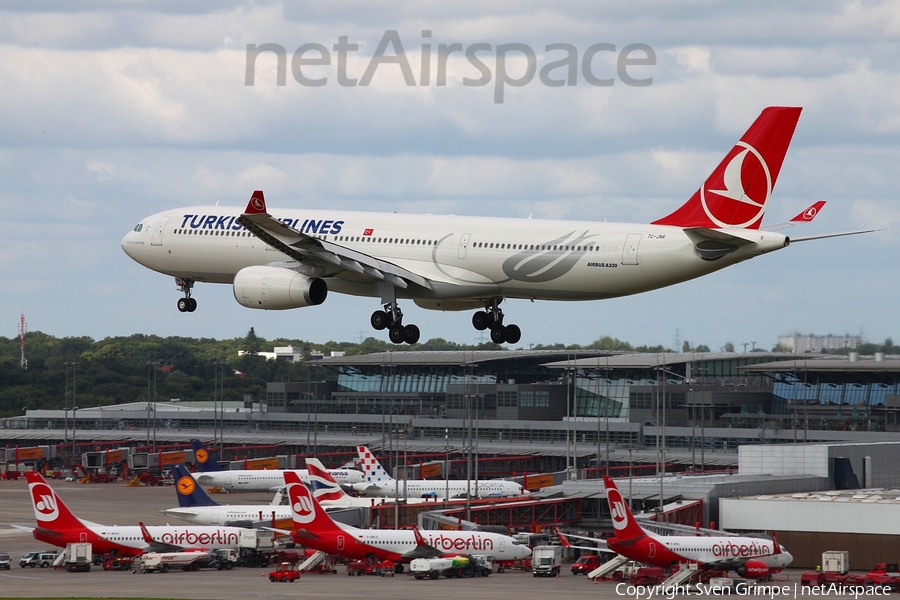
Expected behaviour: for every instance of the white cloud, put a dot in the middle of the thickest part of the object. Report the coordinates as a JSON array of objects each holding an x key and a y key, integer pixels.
[{"x": 116, "y": 110}]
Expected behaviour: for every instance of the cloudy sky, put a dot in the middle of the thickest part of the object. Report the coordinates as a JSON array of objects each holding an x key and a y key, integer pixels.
[{"x": 111, "y": 111}]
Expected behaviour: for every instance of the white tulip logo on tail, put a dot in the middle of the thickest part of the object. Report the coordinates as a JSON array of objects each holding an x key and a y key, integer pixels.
[
  {"x": 301, "y": 504},
  {"x": 45, "y": 506},
  {"x": 737, "y": 195}
]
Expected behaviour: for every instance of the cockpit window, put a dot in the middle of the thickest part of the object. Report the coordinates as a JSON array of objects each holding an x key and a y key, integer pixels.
[{"x": 138, "y": 227}]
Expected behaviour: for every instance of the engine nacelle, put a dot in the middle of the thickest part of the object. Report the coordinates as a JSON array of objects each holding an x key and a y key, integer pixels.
[
  {"x": 753, "y": 569},
  {"x": 277, "y": 288}
]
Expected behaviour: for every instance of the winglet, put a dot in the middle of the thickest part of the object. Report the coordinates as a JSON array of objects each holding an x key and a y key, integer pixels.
[
  {"x": 146, "y": 534},
  {"x": 257, "y": 204},
  {"x": 420, "y": 541},
  {"x": 562, "y": 538},
  {"x": 809, "y": 214},
  {"x": 776, "y": 548}
]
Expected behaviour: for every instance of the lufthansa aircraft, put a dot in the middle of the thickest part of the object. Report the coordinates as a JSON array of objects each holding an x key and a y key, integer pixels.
[{"x": 291, "y": 258}]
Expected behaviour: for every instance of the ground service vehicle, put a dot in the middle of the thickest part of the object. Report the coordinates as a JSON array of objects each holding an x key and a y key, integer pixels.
[
  {"x": 5, "y": 561},
  {"x": 586, "y": 564},
  {"x": 78, "y": 557},
  {"x": 37, "y": 559},
  {"x": 476, "y": 565},
  {"x": 285, "y": 572},
  {"x": 546, "y": 561},
  {"x": 163, "y": 561}
]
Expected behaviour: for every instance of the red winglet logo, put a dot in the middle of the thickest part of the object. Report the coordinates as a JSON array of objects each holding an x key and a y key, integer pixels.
[
  {"x": 257, "y": 204},
  {"x": 810, "y": 213}
]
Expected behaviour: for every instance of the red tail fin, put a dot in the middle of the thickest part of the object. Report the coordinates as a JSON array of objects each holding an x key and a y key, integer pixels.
[
  {"x": 736, "y": 192},
  {"x": 49, "y": 510},
  {"x": 257, "y": 204},
  {"x": 623, "y": 521},
  {"x": 307, "y": 513}
]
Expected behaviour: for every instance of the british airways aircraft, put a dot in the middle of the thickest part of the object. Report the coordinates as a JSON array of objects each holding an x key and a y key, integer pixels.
[{"x": 292, "y": 258}]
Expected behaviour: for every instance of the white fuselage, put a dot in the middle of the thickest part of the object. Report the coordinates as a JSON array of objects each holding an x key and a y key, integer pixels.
[
  {"x": 712, "y": 550},
  {"x": 446, "y": 489},
  {"x": 265, "y": 480},
  {"x": 466, "y": 259}
]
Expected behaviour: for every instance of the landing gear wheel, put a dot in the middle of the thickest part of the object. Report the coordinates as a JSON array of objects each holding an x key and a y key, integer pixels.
[
  {"x": 183, "y": 304},
  {"x": 397, "y": 334},
  {"x": 192, "y": 305},
  {"x": 512, "y": 333},
  {"x": 498, "y": 335},
  {"x": 411, "y": 334},
  {"x": 481, "y": 320},
  {"x": 380, "y": 320}
]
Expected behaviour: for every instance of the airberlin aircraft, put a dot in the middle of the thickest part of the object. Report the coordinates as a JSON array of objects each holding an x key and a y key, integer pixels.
[
  {"x": 748, "y": 556},
  {"x": 291, "y": 258},
  {"x": 58, "y": 526},
  {"x": 313, "y": 528}
]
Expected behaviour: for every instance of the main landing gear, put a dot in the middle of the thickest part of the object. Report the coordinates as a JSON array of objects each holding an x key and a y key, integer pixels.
[
  {"x": 186, "y": 304},
  {"x": 391, "y": 318},
  {"x": 492, "y": 318}
]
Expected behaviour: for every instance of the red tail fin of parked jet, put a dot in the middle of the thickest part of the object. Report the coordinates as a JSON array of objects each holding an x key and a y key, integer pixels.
[
  {"x": 623, "y": 521},
  {"x": 736, "y": 192},
  {"x": 51, "y": 513},
  {"x": 308, "y": 515}
]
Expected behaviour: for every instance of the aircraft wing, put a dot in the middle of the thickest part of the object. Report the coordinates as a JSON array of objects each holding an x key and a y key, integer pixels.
[
  {"x": 154, "y": 545},
  {"x": 306, "y": 248},
  {"x": 600, "y": 547},
  {"x": 423, "y": 549}
]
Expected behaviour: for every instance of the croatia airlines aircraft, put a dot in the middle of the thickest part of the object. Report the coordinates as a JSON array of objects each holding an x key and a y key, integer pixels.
[
  {"x": 313, "y": 528},
  {"x": 379, "y": 483},
  {"x": 291, "y": 258},
  {"x": 748, "y": 556},
  {"x": 58, "y": 526},
  {"x": 211, "y": 473}
]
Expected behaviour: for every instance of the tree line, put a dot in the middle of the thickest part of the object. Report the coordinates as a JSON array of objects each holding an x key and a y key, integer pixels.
[{"x": 134, "y": 368}]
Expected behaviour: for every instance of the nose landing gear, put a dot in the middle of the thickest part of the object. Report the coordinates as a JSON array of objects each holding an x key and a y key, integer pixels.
[
  {"x": 492, "y": 318},
  {"x": 391, "y": 318}
]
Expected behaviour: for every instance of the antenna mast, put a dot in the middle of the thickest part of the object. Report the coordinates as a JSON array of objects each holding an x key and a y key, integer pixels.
[{"x": 23, "y": 362}]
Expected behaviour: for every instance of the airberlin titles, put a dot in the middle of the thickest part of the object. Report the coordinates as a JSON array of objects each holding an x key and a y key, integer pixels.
[{"x": 229, "y": 223}]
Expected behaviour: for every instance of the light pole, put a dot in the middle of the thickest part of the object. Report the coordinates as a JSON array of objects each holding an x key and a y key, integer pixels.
[
  {"x": 74, "y": 364},
  {"x": 447, "y": 466}
]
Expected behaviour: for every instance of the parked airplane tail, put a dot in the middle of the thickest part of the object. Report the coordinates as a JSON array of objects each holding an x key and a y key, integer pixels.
[
  {"x": 49, "y": 510},
  {"x": 324, "y": 487},
  {"x": 205, "y": 461},
  {"x": 372, "y": 470},
  {"x": 736, "y": 192},
  {"x": 623, "y": 521},
  {"x": 308, "y": 515},
  {"x": 189, "y": 492}
]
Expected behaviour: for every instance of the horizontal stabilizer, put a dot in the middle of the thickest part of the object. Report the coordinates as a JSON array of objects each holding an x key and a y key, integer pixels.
[{"x": 831, "y": 235}]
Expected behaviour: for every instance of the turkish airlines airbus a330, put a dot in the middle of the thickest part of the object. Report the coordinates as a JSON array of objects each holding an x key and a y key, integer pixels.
[{"x": 291, "y": 258}]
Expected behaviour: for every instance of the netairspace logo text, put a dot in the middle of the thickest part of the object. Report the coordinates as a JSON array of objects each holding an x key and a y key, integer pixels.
[
  {"x": 485, "y": 62},
  {"x": 743, "y": 589}
]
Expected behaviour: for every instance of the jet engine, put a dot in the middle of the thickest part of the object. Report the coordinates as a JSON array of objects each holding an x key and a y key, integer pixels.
[
  {"x": 753, "y": 569},
  {"x": 277, "y": 288}
]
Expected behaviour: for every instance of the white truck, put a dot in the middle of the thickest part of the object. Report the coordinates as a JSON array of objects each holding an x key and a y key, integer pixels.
[
  {"x": 76, "y": 557},
  {"x": 476, "y": 565},
  {"x": 163, "y": 561},
  {"x": 546, "y": 561}
]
